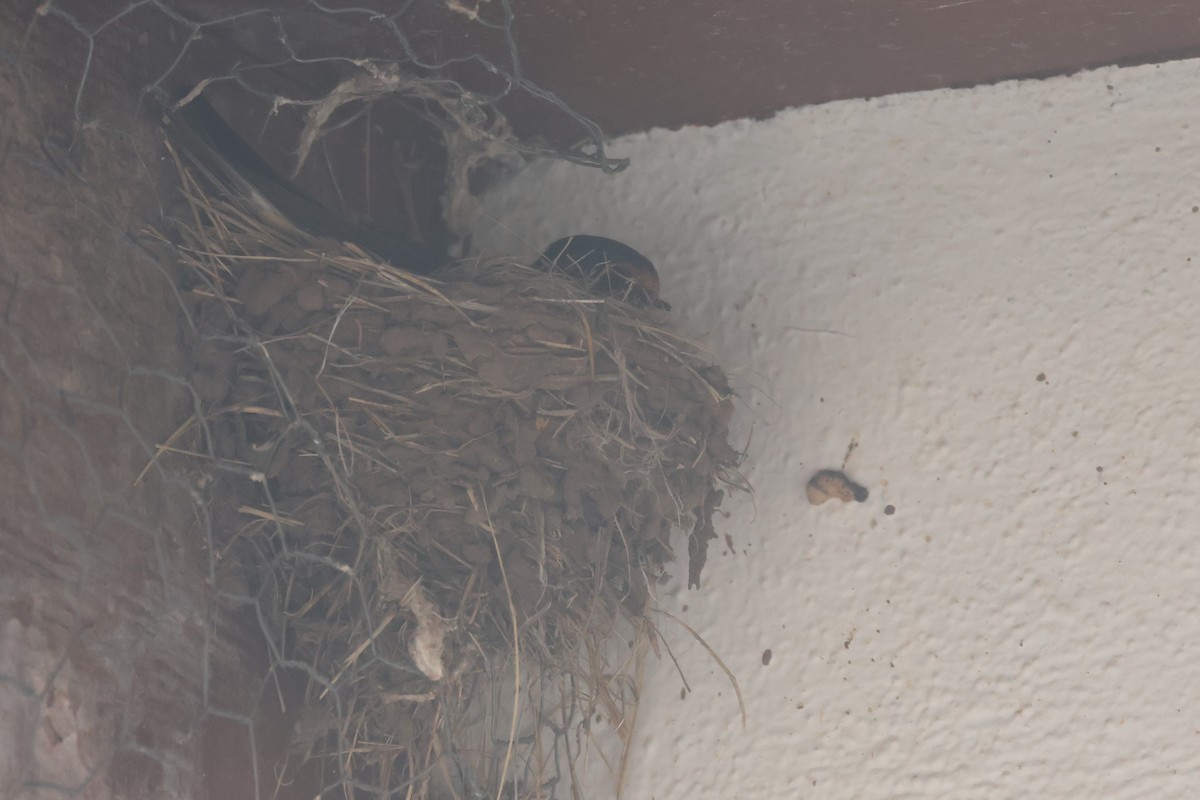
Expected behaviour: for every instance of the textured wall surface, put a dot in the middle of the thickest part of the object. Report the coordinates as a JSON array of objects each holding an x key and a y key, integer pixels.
[{"x": 993, "y": 292}]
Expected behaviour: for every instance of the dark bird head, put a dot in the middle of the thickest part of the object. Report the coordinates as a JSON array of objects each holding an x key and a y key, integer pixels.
[{"x": 605, "y": 267}]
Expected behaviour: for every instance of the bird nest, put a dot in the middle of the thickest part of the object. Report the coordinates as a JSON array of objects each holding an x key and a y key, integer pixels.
[{"x": 441, "y": 484}]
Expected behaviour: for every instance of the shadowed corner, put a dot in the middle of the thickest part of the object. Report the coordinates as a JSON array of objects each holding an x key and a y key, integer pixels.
[{"x": 230, "y": 163}]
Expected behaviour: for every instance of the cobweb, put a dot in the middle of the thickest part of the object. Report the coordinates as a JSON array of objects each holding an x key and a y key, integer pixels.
[
  {"x": 368, "y": 84},
  {"x": 129, "y": 667}
]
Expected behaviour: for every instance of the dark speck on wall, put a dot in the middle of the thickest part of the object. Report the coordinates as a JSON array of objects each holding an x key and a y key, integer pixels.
[
  {"x": 889, "y": 510},
  {"x": 1041, "y": 377},
  {"x": 766, "y": 656}
]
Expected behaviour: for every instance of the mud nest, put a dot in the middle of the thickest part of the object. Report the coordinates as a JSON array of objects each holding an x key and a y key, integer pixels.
[{"x": 431, "y": 486}]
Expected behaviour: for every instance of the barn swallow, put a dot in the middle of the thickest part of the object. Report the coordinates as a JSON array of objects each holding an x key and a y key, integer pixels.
[
  {"x": 605, "y": 267},
  {"x": 602, "y": 266}
]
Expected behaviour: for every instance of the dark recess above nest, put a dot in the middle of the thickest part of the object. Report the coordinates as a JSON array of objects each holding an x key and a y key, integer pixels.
[{"x": 632, "y": 65}]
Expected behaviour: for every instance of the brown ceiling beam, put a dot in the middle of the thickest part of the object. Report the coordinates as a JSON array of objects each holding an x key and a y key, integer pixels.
[{"x": 635, "y": 64}]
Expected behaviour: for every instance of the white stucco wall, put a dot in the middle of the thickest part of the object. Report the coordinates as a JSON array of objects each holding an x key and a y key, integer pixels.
[{"x": 898, "y": 273}]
